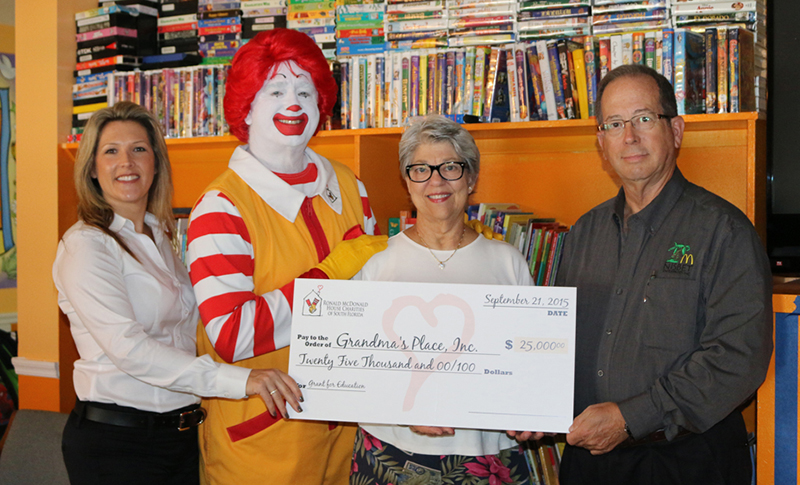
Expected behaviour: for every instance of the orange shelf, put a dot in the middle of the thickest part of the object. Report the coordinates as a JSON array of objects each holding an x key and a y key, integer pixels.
[{"x": 553, "y": 168}]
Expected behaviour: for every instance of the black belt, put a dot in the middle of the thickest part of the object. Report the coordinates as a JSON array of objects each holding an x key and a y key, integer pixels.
[
  {"x": 654, "y": 437},
  {"x": 182, "y": 419}
]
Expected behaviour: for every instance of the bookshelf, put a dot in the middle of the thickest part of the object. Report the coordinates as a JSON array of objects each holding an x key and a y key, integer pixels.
[{"x": 553, "y": 168}]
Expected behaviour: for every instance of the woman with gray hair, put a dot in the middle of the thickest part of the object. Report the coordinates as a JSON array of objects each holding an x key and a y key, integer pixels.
[
  {"x": 133, "y": 315},
  {"x": 440, "y": 163}
]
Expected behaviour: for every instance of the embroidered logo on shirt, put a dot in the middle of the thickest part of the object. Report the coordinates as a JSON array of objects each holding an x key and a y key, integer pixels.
[
  {"x": 329, "y": 195},
  {"x": 312, "y": 304},
  {"x": 681, "y": 260}
]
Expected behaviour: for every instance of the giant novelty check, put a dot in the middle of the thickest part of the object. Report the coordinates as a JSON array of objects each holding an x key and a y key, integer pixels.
[{"x": 466, "y": 356}]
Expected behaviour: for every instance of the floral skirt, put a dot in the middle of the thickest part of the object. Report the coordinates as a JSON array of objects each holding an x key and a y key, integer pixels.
[{"x": 378, "y": 463}]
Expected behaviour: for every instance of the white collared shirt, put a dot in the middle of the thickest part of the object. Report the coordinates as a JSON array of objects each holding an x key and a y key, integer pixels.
[{"x": 134, "y": 322}]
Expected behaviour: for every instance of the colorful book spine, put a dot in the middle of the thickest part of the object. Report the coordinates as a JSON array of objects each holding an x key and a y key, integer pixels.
[
  {"x": 423, "y": 84},
  {"x": 478, "y": 91},
  {"x": 458, "y": 88},
  {"x": 669, "y": 55},
  {"x": 591, "y": 73},
  {"x": 638, "y": 48},
  {"x": 722, "y": 70},
  {"x": 627, "y": 49},
  {"x": 547, "y": 80},
  {"x": 604, "y": 51},
  {"x": 580, "y": 81},
  {"x": 469, "y": 79},
  {"x": 501, "y": 104},
  {"x": 659, "y": 64},
  {"x": 405, "y": 90},
  {"x": 363, "y": 81},
  {"x": 441, "y": 82},
  {"x": 414, "y": 97},
  {"x": 650, "y": 50},
  {"x": 491, "y": 79},
  {"x": 559, "y": 54},
  {"x": 572, "y": 78},
  {"x": 450, "y": 76},
  {"x": 522, "y": 83},
  {"x": 741, "y": 41},
  {"x": 370, "y": 93},
  {"x": 513, "y": 89},
  {"x": 711, "y": 70},
  {"x": 380, "y": 93},
  {"x": 733, "y": 70},
  {"x": 344, "y": 94},
  {"x": 433, "y": 79},
  {"x": 537, "y": 103}
]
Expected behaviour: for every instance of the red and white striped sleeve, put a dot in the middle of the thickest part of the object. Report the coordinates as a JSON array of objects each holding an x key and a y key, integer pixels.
[
  {"x": 370, "y": 223},
  {"x": 239, "y": 323}
]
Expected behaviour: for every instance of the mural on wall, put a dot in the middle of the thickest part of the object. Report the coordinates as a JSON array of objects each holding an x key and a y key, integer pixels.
[{"x": 8, "y": 173}]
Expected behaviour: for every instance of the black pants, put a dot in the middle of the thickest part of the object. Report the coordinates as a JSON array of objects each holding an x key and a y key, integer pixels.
[
  {"x": 97, "y": 453},
  {"x": 720, "y": 456}
]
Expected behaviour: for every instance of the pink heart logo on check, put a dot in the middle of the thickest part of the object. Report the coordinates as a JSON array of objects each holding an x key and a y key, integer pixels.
[{"x": 426, "y": 309}]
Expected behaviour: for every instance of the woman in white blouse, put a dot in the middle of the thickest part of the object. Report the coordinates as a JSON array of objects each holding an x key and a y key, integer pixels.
[{"x": 133, "y": 317}]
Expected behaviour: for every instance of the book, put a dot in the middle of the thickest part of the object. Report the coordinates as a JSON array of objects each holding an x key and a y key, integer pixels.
[
  {"x": 491, "y": 80},
  {"x": 521, "y": 70},
  {"x": 591, "y": 73},
  {"x": 580, "y": 81},
  {"x": 557, "y": 80},
  {"x": 604, "y": 53},
  {"x": 689, "y": 72},
  {"x": 722, "y": 70},
  {"x": 741, "y": 76},
  {"x": 537, "y": 103},
  {"x": 650, "y": 49},
  {"x": 513, "y": 88},
  {"x": 542, "y": 51},
  {"x": 711, "y": 70},
  {"x": 638, "y": 48},
  {"x": 501, "y": 102}
]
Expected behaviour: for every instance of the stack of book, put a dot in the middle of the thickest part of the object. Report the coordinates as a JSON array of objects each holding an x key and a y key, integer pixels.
[
  {"x": 314, "y": 13},
  {"x": 187, "y": 101},
  {"x": 539, "y": 240},
  {"x": 729, "y": 79},
  {"x": 480, "y": 22},
  {"x": 177, "y": 35},
  {"x": 416, "y": 24},
  {"x": 741, "y": 16},
  {"x": 220, "y": 28},
  {"x": 262, "y": 15},
  {"x": 359, "y": 28},
  {"x": 109, "y": 38},
  {"x": 613, "y": 16},
  {"x": 548, "y": 19},
  {"x": 543, "y": 458}
]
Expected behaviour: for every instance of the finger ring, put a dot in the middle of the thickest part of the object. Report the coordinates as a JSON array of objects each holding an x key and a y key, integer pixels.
[{"x": 273, "y": 392}]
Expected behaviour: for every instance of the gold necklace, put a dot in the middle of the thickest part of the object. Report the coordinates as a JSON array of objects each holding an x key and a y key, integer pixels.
[{"x": 441, "y": 263}]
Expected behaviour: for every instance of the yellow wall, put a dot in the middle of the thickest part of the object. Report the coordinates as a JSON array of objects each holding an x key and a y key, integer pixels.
[
  {"x": 8, "y": 297},
  {"x": 45, "y": 55}
]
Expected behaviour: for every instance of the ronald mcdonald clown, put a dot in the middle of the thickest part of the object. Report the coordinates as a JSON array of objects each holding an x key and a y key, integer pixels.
[{"x": 280, "y": 211}]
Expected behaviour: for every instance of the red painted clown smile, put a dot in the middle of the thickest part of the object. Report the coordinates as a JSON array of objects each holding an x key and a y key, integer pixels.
[{"x": 291, "y": 125}]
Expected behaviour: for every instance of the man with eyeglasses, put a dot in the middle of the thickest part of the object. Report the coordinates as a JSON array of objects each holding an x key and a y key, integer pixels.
[{"x": 674, "y": 317}]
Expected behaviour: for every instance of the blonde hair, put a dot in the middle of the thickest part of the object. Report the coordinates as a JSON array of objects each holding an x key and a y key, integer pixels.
[{"x": 93, "y": 209}]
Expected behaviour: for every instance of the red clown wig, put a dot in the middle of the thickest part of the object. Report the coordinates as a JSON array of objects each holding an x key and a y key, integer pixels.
[{"x": 258, "y": 59}]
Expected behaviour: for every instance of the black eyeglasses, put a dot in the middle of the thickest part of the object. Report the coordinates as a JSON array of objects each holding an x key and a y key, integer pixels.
[{"x": 422, "y": 172}]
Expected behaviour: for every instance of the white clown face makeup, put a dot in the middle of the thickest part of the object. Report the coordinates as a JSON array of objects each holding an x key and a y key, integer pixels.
[{"x": 284, "y": 112}]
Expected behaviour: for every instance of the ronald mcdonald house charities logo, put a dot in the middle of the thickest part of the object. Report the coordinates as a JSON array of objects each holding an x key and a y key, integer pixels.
[{"x": 312, "y": 304}]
